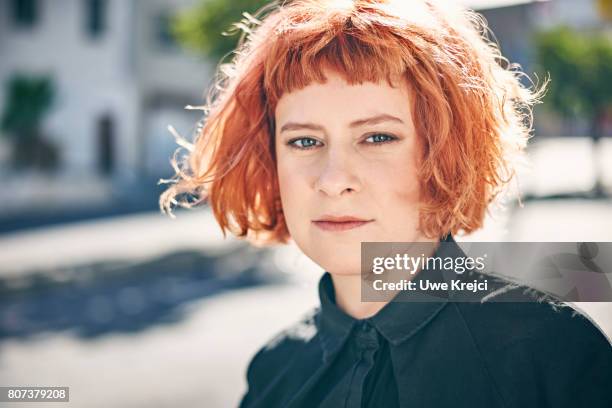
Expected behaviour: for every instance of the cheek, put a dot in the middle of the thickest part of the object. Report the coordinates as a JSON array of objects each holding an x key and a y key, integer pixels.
[
  {"x": 291, "y": 188},
  {"x": 407, "y": 189},
  {"x": 400, "y": 205},
  {"x": 397, "y": 181},
  {"x": 288, "y": 178}
]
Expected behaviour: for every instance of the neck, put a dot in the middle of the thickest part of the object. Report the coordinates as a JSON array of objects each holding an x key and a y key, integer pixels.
[{"x": 347, "y": 290}]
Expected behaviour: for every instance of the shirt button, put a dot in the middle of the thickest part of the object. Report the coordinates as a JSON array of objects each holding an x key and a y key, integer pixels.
[{"x": 366, "y": 336}]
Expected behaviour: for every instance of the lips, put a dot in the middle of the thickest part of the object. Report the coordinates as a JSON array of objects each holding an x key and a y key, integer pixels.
[
  {"x": 341, "y": 218},
  {"x": 340, "y": 223}
]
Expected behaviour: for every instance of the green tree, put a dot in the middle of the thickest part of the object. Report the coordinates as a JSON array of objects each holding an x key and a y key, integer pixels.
[
  {"x": 28, "y": 100},
  {"x": 580, "y": 68},
  {"x": 210, "y": 27}
]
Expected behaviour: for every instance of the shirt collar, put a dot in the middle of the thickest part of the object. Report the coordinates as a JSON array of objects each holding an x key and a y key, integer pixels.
[{"x": 396, "y": 321}]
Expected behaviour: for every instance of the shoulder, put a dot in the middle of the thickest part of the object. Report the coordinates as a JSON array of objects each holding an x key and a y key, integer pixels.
[
  {"x": 277, "y": 354},
  {"x": 518, "y": 313},
  {"x": 541, "y": 349}
]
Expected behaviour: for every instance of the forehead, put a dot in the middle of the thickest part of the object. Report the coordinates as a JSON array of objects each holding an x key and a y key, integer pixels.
[{"x": 336, "y": 99}]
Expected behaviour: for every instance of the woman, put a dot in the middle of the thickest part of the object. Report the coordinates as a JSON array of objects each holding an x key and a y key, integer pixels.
[{"x": 340, "y": 122}]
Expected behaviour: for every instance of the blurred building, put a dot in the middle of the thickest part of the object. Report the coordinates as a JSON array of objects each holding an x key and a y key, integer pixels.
[{"x": 119, "y": 75}]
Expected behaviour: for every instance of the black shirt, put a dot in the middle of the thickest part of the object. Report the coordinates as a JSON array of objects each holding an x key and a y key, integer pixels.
[{"x": 435, "y": 354}]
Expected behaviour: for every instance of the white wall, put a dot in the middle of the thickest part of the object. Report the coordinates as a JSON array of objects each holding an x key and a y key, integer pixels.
[{"x": 92, "y": 76}]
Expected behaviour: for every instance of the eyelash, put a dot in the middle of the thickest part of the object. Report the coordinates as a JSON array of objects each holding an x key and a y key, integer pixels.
[{"x": 390, "y": 139}]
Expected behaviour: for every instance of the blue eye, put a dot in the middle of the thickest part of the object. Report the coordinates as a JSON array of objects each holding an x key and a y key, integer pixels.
[
  {"x": 307, "y": 143},
  {"x": 381, "y": 138}
]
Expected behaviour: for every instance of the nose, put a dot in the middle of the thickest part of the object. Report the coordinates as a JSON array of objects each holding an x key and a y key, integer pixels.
[{"x": 338, "y": 175}]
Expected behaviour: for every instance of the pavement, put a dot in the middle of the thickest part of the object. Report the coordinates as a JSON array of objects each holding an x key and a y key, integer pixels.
[{"x": 198, "y": 362}]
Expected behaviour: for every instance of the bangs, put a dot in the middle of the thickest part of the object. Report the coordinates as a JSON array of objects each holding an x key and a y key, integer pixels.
[{"x": 364, "y": 53}]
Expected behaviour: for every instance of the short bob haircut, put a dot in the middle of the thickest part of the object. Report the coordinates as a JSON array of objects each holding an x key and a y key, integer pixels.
[{"x": 470, "y": 110}]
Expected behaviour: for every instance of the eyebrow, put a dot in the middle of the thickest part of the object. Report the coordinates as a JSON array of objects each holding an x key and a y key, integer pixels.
[{"x": 360, "y": 122}]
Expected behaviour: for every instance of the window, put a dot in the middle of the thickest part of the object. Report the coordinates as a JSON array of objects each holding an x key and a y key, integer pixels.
[
  {"x": 24, "y": 12},
  {"x": 95, "y": 17},
  {"x": 106, "y": 144},
  {"x": 163, "y": 31}
]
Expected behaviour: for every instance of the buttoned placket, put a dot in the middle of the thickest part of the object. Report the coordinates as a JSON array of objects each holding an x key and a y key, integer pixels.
[{"x": 366, "y": 342}]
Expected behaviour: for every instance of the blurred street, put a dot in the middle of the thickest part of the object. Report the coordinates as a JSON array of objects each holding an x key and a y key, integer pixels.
[
  {"x": 111, "y": 306},
  {"x": 111, "y": 329}
]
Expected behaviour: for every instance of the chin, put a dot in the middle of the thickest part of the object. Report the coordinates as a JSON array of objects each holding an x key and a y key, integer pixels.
[
  {"x": 340, "y": 265},
  {"x": 338, "y": 256}
]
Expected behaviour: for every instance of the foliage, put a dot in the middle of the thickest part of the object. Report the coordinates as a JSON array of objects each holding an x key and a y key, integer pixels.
[
  {"x": 28, "y": 100},
  {"x": 580, "y": 67},
  {"x": 211, "y": 26}
]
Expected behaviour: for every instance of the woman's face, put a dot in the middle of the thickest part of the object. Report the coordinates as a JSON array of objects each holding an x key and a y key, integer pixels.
[{"x": 347, "y": 150}]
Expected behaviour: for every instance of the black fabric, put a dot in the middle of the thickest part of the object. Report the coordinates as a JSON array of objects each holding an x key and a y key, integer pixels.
[
  {"x": 438, "y": 353},
  {"x": 380, "y": 382}
]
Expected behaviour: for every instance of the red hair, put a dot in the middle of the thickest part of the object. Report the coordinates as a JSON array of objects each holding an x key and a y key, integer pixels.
[{"x": 469, "y": 107}]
